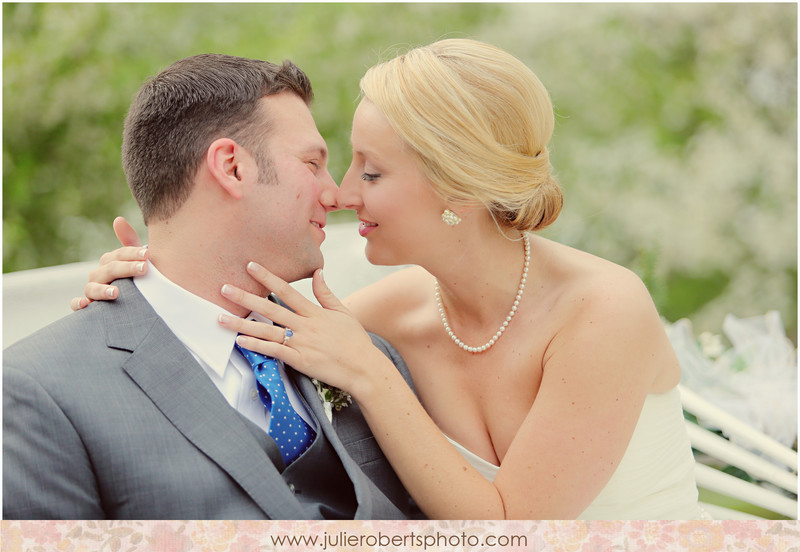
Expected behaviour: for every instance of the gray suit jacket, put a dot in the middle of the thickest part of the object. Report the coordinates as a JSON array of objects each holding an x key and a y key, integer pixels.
[{"x": 107, "y": 415}]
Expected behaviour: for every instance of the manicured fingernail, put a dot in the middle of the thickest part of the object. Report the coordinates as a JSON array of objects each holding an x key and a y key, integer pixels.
[
  {"x": 224, "y": 318},
  {"x": 253, "y": 267},
  {"x": 140, "y": 267},
  {"x": 227, "y": 290},
  {"x": 142, "y": 252},
  {"x": 110, "y": 293},
  {"x": 241, "y": 340}
]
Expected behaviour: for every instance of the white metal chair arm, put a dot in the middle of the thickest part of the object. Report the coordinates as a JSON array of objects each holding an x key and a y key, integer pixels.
[
  {"x": 755, "y": 460},
  {"x": 757, "y": 467},
  {"x": 729, "y": 485},
  {"x": 720, "y": 512},
  {"x": 730, "y": 425}
]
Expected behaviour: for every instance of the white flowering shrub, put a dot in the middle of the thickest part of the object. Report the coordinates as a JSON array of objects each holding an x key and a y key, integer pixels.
[
  {"x": 676, "y": 145},
  {"x": 675, "y": 142}
]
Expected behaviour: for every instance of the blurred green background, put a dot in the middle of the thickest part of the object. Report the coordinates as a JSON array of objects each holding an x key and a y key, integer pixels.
[{"x": 675, "y": 141}]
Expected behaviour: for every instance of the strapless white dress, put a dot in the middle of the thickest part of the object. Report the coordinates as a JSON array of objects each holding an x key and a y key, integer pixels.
[{"x": 654, "y": 480}]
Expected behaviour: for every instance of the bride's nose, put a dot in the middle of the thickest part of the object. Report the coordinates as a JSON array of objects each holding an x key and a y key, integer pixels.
[{"x": 349, "y": 195}]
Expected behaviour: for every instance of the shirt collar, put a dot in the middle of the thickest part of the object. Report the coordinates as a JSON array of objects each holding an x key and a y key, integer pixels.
[{"x": 191, "y": 318}]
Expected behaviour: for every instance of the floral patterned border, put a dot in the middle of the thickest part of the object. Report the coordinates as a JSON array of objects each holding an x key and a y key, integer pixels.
[{"x": 249, "y": 536}]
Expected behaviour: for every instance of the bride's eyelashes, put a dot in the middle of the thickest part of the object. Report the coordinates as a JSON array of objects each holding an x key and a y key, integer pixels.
[{"x": 370, "y": 177}]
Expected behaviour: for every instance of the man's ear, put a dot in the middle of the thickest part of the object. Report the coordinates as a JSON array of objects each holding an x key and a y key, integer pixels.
[{"x": 225, "y": 159}]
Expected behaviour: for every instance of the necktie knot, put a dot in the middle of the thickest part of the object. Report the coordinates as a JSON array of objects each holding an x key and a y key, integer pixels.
[{"x": 256, "y": 359}]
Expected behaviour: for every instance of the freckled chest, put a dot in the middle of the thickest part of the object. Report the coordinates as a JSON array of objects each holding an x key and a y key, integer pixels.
[{"x": 480, "y": 400}]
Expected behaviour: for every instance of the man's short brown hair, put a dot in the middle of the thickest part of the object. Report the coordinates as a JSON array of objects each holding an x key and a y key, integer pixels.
[{"x": 180, "y": 112}]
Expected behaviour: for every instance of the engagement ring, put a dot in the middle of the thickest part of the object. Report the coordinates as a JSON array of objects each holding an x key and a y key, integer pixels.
[{"x": 287, "y": 334}]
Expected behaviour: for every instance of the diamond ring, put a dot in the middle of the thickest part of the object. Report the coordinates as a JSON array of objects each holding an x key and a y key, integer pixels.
[{"x": 287, "y": 334}]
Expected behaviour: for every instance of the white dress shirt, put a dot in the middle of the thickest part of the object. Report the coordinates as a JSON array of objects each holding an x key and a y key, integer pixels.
[{"x": 193, "y": 320}]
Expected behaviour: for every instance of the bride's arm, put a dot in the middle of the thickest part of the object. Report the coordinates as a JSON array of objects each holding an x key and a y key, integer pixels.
[
  {"x": 596, "y": 375},
  {"x": 597, "y": 371}
]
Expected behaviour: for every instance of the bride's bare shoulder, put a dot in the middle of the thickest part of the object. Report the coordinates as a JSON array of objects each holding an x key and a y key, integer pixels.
[
  {"x": 391, "y": 297},
  {"x": 574, "y": 267},
  {"x": 608, "y": 307},
  {"x": 581, "y": 279}
]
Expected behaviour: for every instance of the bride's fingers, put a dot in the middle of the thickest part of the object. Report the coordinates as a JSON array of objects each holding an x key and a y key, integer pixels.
[
  {"x": 324, "y": 295},
  {"x": 78, "y": 303},
  {"x": 124, "y": 254},
  {"x": 296, "y": 301},
  {"x": 125, "y": 232},
  {"x": 111, "y": 269},
  {"x": 260, "y": 330},
  {"x": 268, "y": 340},
  {"x": 265, "y": 307},
  {"x": 100, "y": 292},
  {"x": 270, "y": 348}
]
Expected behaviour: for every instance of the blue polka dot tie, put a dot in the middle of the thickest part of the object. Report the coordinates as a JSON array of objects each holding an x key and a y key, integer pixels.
[{"x": 291, "y": 433}]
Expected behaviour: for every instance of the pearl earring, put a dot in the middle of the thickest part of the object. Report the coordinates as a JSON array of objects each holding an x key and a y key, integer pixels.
[{"x": 450, "y": 218}]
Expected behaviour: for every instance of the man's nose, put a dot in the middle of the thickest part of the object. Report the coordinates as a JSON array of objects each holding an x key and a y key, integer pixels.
[{"x": 329, "y": 194}]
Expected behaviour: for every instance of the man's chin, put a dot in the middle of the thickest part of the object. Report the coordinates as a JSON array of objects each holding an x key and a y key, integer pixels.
[{"x": 306, "y": 272}]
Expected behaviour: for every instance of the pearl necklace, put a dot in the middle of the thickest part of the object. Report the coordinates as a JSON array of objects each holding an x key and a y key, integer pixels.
[{"x": 489, "y": 344}]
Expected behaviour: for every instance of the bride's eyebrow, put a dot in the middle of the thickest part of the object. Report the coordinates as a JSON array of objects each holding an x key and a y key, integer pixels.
[{"x": 361, "y": 151}]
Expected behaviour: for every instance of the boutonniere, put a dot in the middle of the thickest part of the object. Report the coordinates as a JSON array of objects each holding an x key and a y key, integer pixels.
[{"x": 332, "y": 398}]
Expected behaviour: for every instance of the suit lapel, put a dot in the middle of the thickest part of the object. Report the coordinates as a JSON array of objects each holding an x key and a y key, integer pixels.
[
  {"x": 360, "y": 482},
  {"x": 168, "y": 374}
]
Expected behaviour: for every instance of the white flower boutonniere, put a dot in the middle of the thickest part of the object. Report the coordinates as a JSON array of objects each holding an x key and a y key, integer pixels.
[{"x": 332, "y": 398}]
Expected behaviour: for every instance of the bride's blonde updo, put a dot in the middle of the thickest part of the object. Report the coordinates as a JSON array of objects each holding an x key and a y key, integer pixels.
[{"x": 479, "y": 121}]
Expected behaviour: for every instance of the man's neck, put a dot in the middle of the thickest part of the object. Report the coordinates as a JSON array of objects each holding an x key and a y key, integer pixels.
[{"x": 202, "y": 273}]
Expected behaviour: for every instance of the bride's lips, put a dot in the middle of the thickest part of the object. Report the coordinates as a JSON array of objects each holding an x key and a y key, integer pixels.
[{"x": 365, "y": 227}]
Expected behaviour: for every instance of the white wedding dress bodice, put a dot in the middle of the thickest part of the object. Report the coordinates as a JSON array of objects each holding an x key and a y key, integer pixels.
[{"x": 654, "y": 480}]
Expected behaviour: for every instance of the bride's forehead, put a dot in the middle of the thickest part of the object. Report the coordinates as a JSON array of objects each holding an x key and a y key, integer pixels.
[{"x": 372, "y": 128}]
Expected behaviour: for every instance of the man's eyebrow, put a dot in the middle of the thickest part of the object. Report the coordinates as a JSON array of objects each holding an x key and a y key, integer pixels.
[{"x": 321, "y": 151}]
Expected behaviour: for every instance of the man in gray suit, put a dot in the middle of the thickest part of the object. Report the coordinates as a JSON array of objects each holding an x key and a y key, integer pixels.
[{"x": 142, "y": 407}]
